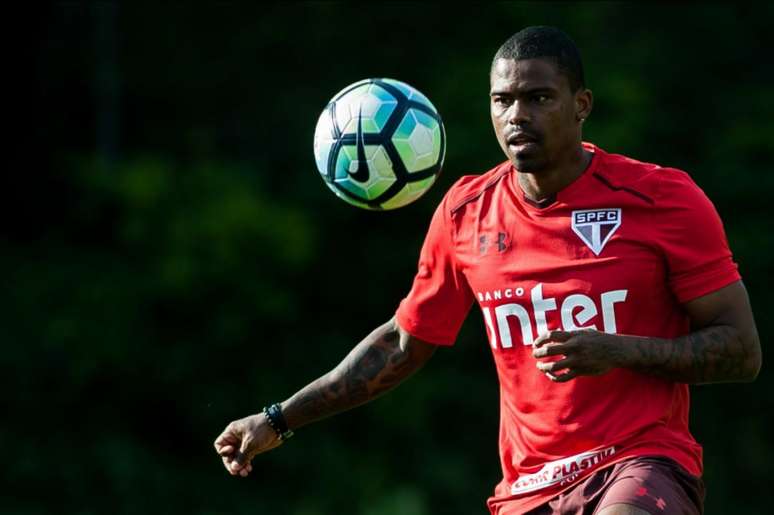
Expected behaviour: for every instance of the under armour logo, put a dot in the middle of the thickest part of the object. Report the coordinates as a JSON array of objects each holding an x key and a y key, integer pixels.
[{"x": 501, "y": 242}]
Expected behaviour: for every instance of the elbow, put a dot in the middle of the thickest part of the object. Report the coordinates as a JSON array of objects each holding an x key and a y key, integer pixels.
[
  {"x": 753, "y": 361},
  {"x": 754, "y": 369},
  {"x": 750, "y": 372}
]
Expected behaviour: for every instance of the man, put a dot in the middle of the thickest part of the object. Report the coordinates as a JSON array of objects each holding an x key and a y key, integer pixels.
[{"x": 606, "y": 287}]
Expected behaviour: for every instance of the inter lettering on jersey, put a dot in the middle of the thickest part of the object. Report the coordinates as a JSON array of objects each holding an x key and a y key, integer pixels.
[
  {"x": 573, "y": 312},
  {"x": 617, "y": 251}
]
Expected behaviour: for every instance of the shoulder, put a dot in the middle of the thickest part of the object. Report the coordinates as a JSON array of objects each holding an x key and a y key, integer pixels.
[
  {"x": 471, "y": 187},
  {"x": 651, "y": 182}
]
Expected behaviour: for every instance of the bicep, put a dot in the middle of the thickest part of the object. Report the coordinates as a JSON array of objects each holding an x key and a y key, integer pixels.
[
  {"x": 729, "y": 305},
  {"x": 725, "y": 317}
]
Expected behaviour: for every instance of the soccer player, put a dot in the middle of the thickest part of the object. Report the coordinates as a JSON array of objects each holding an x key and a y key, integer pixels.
[{"x": 606, "y": 286}]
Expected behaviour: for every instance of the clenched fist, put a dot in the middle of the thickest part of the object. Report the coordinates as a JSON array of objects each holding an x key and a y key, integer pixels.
[
  {"x": 581, "y": 353},
  {"x": 242, "y": 440}
]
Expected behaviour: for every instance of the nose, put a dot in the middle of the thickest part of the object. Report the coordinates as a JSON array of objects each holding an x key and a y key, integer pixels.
[{"x": 517, "y": 113}]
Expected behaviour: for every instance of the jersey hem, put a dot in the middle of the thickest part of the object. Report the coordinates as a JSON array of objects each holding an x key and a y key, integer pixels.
[
  {"x": 411, "y": 326},
  {"x": 706, "y": 283},
  {"x": 495, "y": 505}
]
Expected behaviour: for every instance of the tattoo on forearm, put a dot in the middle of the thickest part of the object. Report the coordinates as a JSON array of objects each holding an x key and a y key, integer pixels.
[
  {"x": 712, "y": 354},
  {"x": 376, "y": 365}
]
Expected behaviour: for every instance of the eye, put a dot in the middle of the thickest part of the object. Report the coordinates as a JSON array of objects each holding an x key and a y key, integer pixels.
[
  {"x": 501, "y": 101},
  {"x": 541, "y": 99}
]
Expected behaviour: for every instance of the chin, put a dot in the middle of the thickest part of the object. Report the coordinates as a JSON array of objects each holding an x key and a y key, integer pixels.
[{"x": 528, "y": 164}]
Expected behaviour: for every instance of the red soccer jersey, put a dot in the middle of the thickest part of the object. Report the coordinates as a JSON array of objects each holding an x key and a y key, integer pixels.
[{"x": 618, "y": 250}]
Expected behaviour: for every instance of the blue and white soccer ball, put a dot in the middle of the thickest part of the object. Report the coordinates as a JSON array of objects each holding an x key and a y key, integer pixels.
[{"x": 379, "y": 144}]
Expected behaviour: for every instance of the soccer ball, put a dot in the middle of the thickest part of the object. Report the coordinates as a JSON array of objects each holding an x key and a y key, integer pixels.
[{"x": 379, "y": 144}]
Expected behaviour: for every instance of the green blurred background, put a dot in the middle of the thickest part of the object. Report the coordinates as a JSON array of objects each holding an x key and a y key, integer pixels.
[{"x": 175, "y": 261}]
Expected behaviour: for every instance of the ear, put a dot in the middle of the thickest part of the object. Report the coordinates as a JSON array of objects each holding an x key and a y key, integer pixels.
[{"x": 584, "y": 101}]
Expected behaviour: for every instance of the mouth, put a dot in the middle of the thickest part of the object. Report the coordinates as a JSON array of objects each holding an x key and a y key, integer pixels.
[{"x": 521, "y": 140}]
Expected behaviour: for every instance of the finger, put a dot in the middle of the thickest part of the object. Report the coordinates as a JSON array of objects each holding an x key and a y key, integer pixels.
[
  {"x": 553, "y": 349},
  {"x": 226, "y": 438},
  {"x": 237, "y": 461},
  {"x": 247, "y": 470},
  {"x": 226, "y": 450},
  {"x": 554, "y": 366},
  {"x": 552, "y": 336},
  {"x": 563, "y": 378},
  {"x": 241, "y": 470},
  {"x": 227, "y": 462},
  {"x": 244, "y": 455}
]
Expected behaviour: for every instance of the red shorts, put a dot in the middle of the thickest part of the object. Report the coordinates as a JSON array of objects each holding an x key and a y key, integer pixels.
[{"x": 652, "y": 483}]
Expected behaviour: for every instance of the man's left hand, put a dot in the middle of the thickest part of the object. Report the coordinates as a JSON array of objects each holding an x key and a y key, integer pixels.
[{"x": 581, "y": 353}]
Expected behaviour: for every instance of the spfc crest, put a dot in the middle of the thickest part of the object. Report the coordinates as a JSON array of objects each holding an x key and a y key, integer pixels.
[{"x": 596, "y": 226}]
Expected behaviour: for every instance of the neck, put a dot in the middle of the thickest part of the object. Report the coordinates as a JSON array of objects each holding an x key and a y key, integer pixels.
[{"x": 541, "y": 185}]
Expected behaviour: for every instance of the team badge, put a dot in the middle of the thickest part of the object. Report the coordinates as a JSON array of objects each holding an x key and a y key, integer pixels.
[{"x": 596, "y": 226}]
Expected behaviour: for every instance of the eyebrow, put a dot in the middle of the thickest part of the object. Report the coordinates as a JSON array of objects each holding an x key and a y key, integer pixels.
[{"x": 531, "y": 91}]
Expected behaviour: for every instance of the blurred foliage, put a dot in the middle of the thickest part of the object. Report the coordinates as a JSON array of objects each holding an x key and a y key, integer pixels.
[{"x": 174, "y": 262}]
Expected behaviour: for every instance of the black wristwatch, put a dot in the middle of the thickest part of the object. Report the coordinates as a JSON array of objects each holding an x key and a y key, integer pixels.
[{"x": 277, "y": 421}]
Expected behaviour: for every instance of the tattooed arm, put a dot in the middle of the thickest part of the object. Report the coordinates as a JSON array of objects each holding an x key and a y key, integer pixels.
[
  {"x": 380, "y": 362},
  {"x": 723, "y": 346},
  {"x": 383, "y": 359}
]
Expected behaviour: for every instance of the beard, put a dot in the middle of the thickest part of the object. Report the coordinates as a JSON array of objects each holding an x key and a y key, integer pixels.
[{"x": 529, "y": 161}]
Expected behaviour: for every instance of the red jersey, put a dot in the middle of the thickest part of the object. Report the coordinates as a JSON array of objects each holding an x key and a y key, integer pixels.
[{"x": 618, "y": 250}]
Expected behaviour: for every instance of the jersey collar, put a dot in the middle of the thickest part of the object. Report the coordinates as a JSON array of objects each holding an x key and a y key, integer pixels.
[{"x": 567, "y": 191}]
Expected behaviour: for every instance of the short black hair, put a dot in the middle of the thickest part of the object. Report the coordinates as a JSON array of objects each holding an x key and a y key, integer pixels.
[{"x": 550, "y": 42}]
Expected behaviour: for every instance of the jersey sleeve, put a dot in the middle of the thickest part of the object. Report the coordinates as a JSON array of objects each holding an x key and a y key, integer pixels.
[
  {"x": 694, "y": 243},
  {"x": 440, "y": 297}
]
